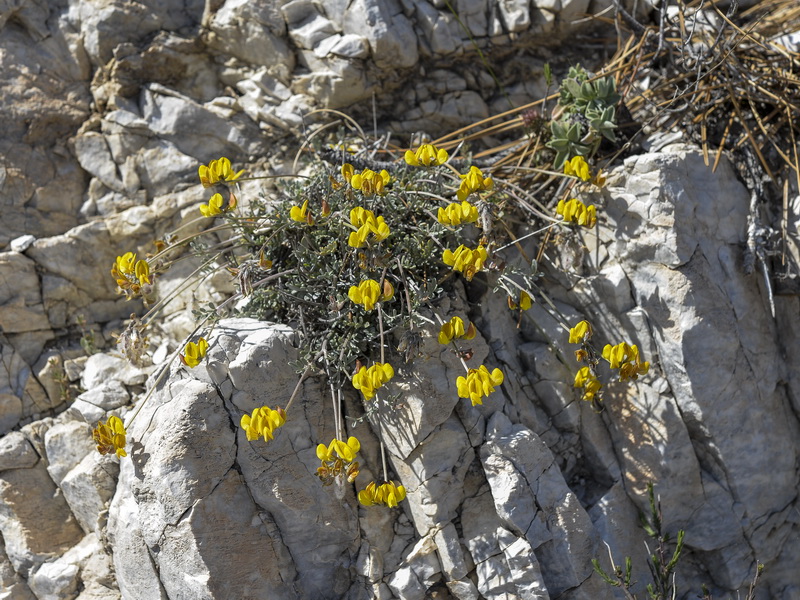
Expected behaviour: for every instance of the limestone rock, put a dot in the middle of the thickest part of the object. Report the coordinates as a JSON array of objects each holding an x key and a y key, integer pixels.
[
  {"x": 16, "y": 452},
  {"x": 55, "y": 580},
  {"x": 66, "y": 443},
  {"x": 694, "y": 244},
  {"x": 21, "y": 306},
  {"x": 106, "y": 23},
  {"x": 530, "y": 494},
  {"x": 20, "y": 393},
  {"x": 307, "y": 26},
  {"x": 195, "y": 130},
  {"x": 94, "y": 404},
  {"x": 45, "y": 93},
  {"x": 95, "y": 157},
  {"x": 50, "y": 373},
  {"x": 82, "y": 256},
  {"x": 182, "y": 489},
  {"x": 515, "y": 15},
  {"x": 35, "y": 521},
  {"x": 13, "y": 585},
  {"x": 389, "y": 32},
  {"x": 253, "y": 33},
  {"x": 84, "y": 568},
  {"x": 101, "y": 368},
  {"x": 440, "y": 29},
  {"x": 88, "y": 488}
]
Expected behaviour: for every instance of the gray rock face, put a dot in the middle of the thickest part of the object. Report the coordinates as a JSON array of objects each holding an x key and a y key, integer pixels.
[
  {"x": 108, "y": 109},
  {"x": 720, "y": 355},
  {"x": 511, "y": 499}
]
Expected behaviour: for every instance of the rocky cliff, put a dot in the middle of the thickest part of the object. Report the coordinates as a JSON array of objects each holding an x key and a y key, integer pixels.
[{"x": 109, "y": 108}]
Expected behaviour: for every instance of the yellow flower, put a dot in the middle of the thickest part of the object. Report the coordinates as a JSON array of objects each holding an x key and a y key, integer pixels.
[
  {"x": 263, "y": 422},
  {"x": 632, "y": 370},
  {"x": 215, "y": 206},
  {"x": 346, "y": 451},
  {"x": 584, "y": 378},
  {"x": 478, "y": 383},
  {"x": 194, "y": 353},
  {"x": 575, "y": 211},
  {"x": 386, "y": 494},
  {"x": 369, "y": 380},
  {"x": 347, "y": 172},
  {"x": 625, "y": 357},
  {"x": 427, "y": 155},
  {"x": 301, "y": 214},
  {"x": 620, "y": 354},
  {"x": 338, "y": 458},
  {"x": 216, "y": 171},
  {"x": 454, "y": 329},
  {"x": 580, "y": 333},
  {"x": 142, "y": 272},
  {"x": 369, "y": 182},
  {"x": 126, "y": 263},
  {"x": 465, "y": 261},
  {"x": 578, "y": 167},
  {"x": 456, "y": 214},
  {"x": 110, "y": 437},
  {"x": 131, "y": 274},
  {"x": 365, "y": 223},
  {"x": 473, "y": 181},
  {"x": 368, "y": 292},
  {"x": 525, "y": 302}
]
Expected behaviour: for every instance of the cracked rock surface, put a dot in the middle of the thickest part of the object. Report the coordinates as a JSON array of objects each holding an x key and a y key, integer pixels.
[{"x": 109, "y": 106}]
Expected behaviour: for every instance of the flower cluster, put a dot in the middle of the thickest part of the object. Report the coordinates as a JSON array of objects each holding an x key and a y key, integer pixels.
[
  {"x": 369, "y": 292},
  {"x": 625, "y": 357},
  {"x": 110, "y": 437},
  {"x": 456, "y": 214},
  {"x": 217, "y": 171},
  {"x": 454, "y": 329},
  {"x": 369, "y": 380},
  {"x": 427, "y": 155},
  {"x": 368, "y": 182},
  {"x": 578, "y": 167},
  {"x": 132, "y": 276},
  {"x": 193, "y": 354},
  {"x": 263, "y": 422},
  {"x": 465, "y": 260},
  {"x": 338, "y": 458},
  {"x": 386, "y": 494},
  {"x": 575, "y": 211},
  {"x": 473, "y": 181},
  {"x": 586, "y": 379},
  {"x": 478, "y": 383},
  {"x": 366, "y": 223}
]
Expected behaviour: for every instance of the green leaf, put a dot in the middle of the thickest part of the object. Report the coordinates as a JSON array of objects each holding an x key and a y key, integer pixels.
[
  {"x": 677, "y": 554},
  {"x": 605, "y": 576}
]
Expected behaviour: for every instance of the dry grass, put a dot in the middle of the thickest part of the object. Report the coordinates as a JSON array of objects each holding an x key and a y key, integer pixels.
[{"x": 724, "y": 81}]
